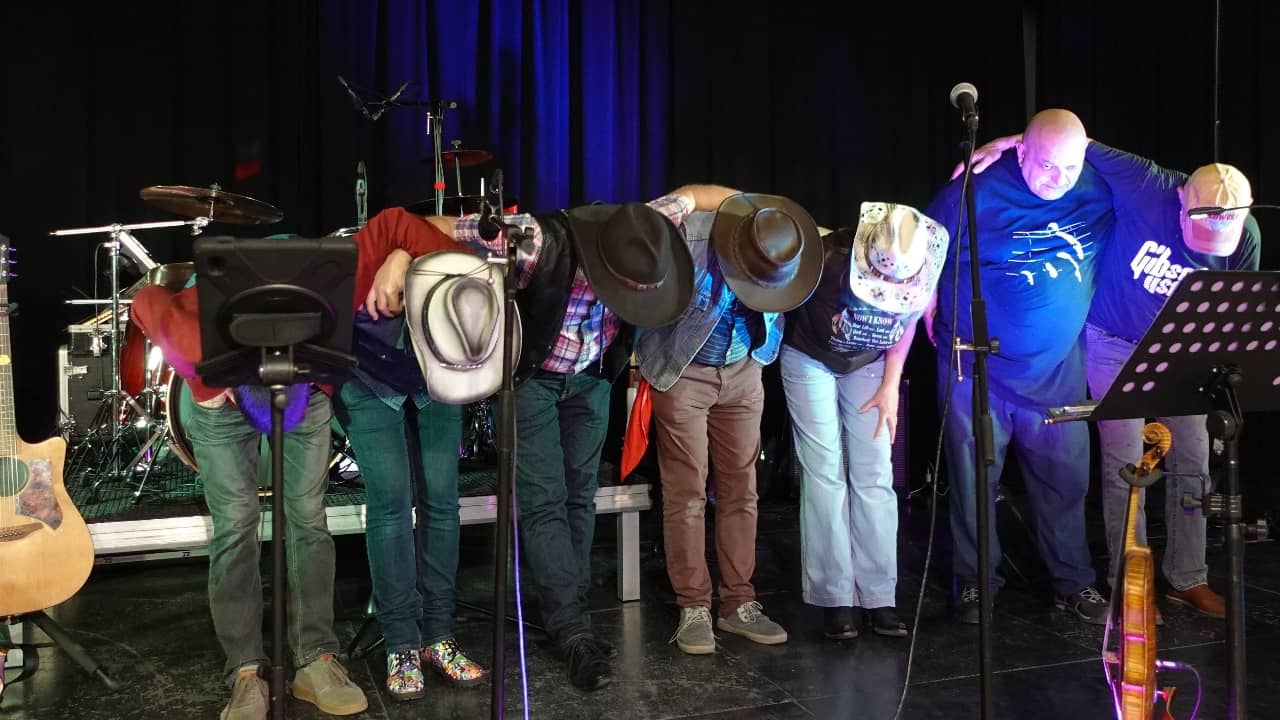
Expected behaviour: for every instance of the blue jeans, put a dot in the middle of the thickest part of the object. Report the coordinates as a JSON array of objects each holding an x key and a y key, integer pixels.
[
  {"x": 1186, "y": 468},
  {"x": 848, "y": 522},
  {"x": 560, "y": 426},
  {"x": 1054, "y": 460},
  {"x": 413, "y": 567},
  {"x": 227, "y": 450}
]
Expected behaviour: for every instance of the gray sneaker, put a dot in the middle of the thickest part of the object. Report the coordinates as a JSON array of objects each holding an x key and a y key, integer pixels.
[
  {"x": 1087, "y": 604},
  {"x": 751, "y": 623},
  {"x": 694, "y": 636},
  {"x": 248, "y": 698}
]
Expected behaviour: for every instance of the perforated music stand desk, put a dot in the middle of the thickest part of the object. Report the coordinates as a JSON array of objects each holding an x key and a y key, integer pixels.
[{"x": 1214, "y": 349}]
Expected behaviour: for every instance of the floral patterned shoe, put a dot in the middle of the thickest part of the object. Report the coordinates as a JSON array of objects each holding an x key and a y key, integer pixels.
[
  {"x": 404, "y": 675},
  {"x": 446, "y": 658}
]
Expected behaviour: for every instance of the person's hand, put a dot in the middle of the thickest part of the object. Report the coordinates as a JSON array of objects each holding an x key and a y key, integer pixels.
[
  {"x": 886, "y": 402},
  {"x": 927, "y": 316},
  {"x": 987, "y": 154},
  {"x": 386, "y": 296}
]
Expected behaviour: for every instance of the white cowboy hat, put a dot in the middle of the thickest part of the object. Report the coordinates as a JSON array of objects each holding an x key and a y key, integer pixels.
[
  {"x": 897, "y": 257},
  {"x": 454, "y": 303}
]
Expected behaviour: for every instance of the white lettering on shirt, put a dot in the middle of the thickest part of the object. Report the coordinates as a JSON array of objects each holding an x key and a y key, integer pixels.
[{"x": 1151, "y": 268}]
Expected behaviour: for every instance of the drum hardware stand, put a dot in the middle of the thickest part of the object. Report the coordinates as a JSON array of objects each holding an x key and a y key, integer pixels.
[{"x": 116, "y": 396}]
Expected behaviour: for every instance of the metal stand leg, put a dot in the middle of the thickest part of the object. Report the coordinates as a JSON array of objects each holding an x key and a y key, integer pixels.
[{"x": 72, "y": 648}]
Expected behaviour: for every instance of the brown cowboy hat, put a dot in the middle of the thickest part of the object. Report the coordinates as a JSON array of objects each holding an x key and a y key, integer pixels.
[
  {"x": 769, "y": 250},
  {"x": 635, "y": 260}
]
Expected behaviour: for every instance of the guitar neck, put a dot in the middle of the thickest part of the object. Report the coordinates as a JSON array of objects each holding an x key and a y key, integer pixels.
[{"x": 8, "y": 425}]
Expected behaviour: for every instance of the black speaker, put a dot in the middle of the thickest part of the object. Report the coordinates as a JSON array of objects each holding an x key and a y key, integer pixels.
[{"x": 82, "y": 378}]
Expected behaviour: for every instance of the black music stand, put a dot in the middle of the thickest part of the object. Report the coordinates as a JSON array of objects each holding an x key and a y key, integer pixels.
[
  {"x": 1212, "y": 350},
  {"x": 276, "y": 312}
]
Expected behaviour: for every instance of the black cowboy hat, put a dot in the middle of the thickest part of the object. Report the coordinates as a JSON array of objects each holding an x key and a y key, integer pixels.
[{"x": 635, "y": 260}]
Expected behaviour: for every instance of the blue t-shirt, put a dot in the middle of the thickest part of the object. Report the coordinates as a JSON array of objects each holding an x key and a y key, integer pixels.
[
  {"x": 1147, "y": 258},
  {"x": 1038, "y": 259}
]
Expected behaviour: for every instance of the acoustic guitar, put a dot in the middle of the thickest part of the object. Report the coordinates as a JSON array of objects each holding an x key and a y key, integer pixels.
[{"x": 45, "y": 549}]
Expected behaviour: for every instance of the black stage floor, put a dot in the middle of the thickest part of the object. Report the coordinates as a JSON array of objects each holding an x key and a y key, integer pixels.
[{"x": 149, "y": 624}]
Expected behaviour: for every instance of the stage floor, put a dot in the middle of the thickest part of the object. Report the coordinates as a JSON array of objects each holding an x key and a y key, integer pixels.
[{"x": 148, "y": 622}]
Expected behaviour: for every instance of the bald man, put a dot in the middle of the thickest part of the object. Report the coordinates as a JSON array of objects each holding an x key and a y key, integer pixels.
[{"x": 1042, "y": 217}]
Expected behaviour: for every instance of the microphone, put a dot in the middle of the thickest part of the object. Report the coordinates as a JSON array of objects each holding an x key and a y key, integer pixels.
[
  {"x": 382, "y": 106},
  {"x": 362, "y": 190},
  {"x": 964, "y": 97},
  {"x": 355, "y": 99},
  {"x": 489, "y": 225}
]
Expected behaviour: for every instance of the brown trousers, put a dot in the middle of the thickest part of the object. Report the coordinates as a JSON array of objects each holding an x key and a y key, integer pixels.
[{"x": 717, "y": 410}]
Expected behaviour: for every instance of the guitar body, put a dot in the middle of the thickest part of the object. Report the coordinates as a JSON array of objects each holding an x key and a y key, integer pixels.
[{"x": 45, "y": 549}]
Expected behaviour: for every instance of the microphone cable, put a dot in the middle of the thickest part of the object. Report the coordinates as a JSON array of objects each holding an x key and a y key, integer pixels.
[{"x": 965, "y": 188}]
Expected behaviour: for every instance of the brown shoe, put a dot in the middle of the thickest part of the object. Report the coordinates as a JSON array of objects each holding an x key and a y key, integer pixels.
[{"x": 1200, "y": 598}]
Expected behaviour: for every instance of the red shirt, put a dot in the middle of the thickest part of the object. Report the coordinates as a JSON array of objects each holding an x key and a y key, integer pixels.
[{"x": 172, "y": 319}]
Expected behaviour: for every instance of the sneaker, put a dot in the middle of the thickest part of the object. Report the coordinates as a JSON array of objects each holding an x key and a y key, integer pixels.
[
  {"x": 248, "y": 697},
  {"x": 884, "y": 621},
  {"x": 1088, "y": 604},
  {"x": 404, "y": 675},
  {"x": 324, "y": 683},
  {"x": 969, "y": 609},
  {"x": 1200, "y": 598},
  {"x": 751, "y": 623},
  {"x": 588, "y": 667},
  {"x": 449, "y": 661},
  {"x": 837, "y": 623},
  {"x": 693, "y": 634}
]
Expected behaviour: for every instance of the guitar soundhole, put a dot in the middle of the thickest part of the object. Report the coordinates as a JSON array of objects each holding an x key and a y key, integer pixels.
[{"x": 13, "y": 476}]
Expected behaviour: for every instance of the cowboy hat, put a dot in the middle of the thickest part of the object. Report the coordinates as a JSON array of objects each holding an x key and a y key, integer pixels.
[
  {"x": 769, "y": 250},
  {"x": 897, "y": 257},
  {"x": 454, "y": 305},
  {"x": 635, "y": 260}
]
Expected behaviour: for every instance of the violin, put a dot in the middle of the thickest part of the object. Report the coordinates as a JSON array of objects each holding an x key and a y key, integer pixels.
[{"x": 1131, "y": 668}]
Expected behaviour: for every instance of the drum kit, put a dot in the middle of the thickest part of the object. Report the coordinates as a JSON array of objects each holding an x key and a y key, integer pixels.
[{"x": 139, "y": 418}]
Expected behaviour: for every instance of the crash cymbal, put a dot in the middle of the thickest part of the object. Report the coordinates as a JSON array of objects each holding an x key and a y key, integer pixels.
[
  {"x": 455, "y": 205},
  {"x": 464, "y": 158},
  {"x": 214, "y": 203}
]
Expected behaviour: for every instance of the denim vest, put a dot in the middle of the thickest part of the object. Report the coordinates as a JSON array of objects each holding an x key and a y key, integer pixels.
[{"x": 664, "y": 352}]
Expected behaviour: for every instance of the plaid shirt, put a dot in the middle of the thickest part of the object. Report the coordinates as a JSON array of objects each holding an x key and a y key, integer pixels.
[{"x": 588, "y": 325}]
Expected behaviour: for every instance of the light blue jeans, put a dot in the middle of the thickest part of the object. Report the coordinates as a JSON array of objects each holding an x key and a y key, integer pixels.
[
  {"x": 1186, "y": 471},
  {"x": 848, "y": 521}
]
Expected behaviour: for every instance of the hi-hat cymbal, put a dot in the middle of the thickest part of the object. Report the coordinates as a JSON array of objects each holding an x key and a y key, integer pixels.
[
  {"x": 463, "y": 158},
  {"x": 214, "y": 203}
]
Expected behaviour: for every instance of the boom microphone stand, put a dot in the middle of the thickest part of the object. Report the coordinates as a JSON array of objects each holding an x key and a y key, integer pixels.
[{"x": 964, "y": 96}]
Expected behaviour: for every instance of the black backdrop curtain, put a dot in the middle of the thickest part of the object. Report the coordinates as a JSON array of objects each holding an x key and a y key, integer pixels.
[{"x": 578, "y": 101}]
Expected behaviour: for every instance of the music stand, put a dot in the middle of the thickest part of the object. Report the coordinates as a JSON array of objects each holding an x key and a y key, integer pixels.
[
  {"x": 275, "y": 312},
  {"x": 1212, "y": 350}
]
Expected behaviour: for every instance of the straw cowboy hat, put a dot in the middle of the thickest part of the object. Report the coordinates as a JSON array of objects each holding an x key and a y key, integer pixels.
[
  {"x": 897, "y": 257},
  {"x": 454, "y": 305}
]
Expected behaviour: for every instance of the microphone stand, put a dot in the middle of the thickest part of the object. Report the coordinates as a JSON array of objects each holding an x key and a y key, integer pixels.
[
  {"x": 513, "y": 237},
  {"x": 984, "y": 447}
]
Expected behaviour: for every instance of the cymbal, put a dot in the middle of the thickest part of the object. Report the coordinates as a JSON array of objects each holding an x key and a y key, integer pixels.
[
  {"x": 454, "y": 205},
  {"x": 465, "y": 158},
  {"x": 214, "y": 203}
]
